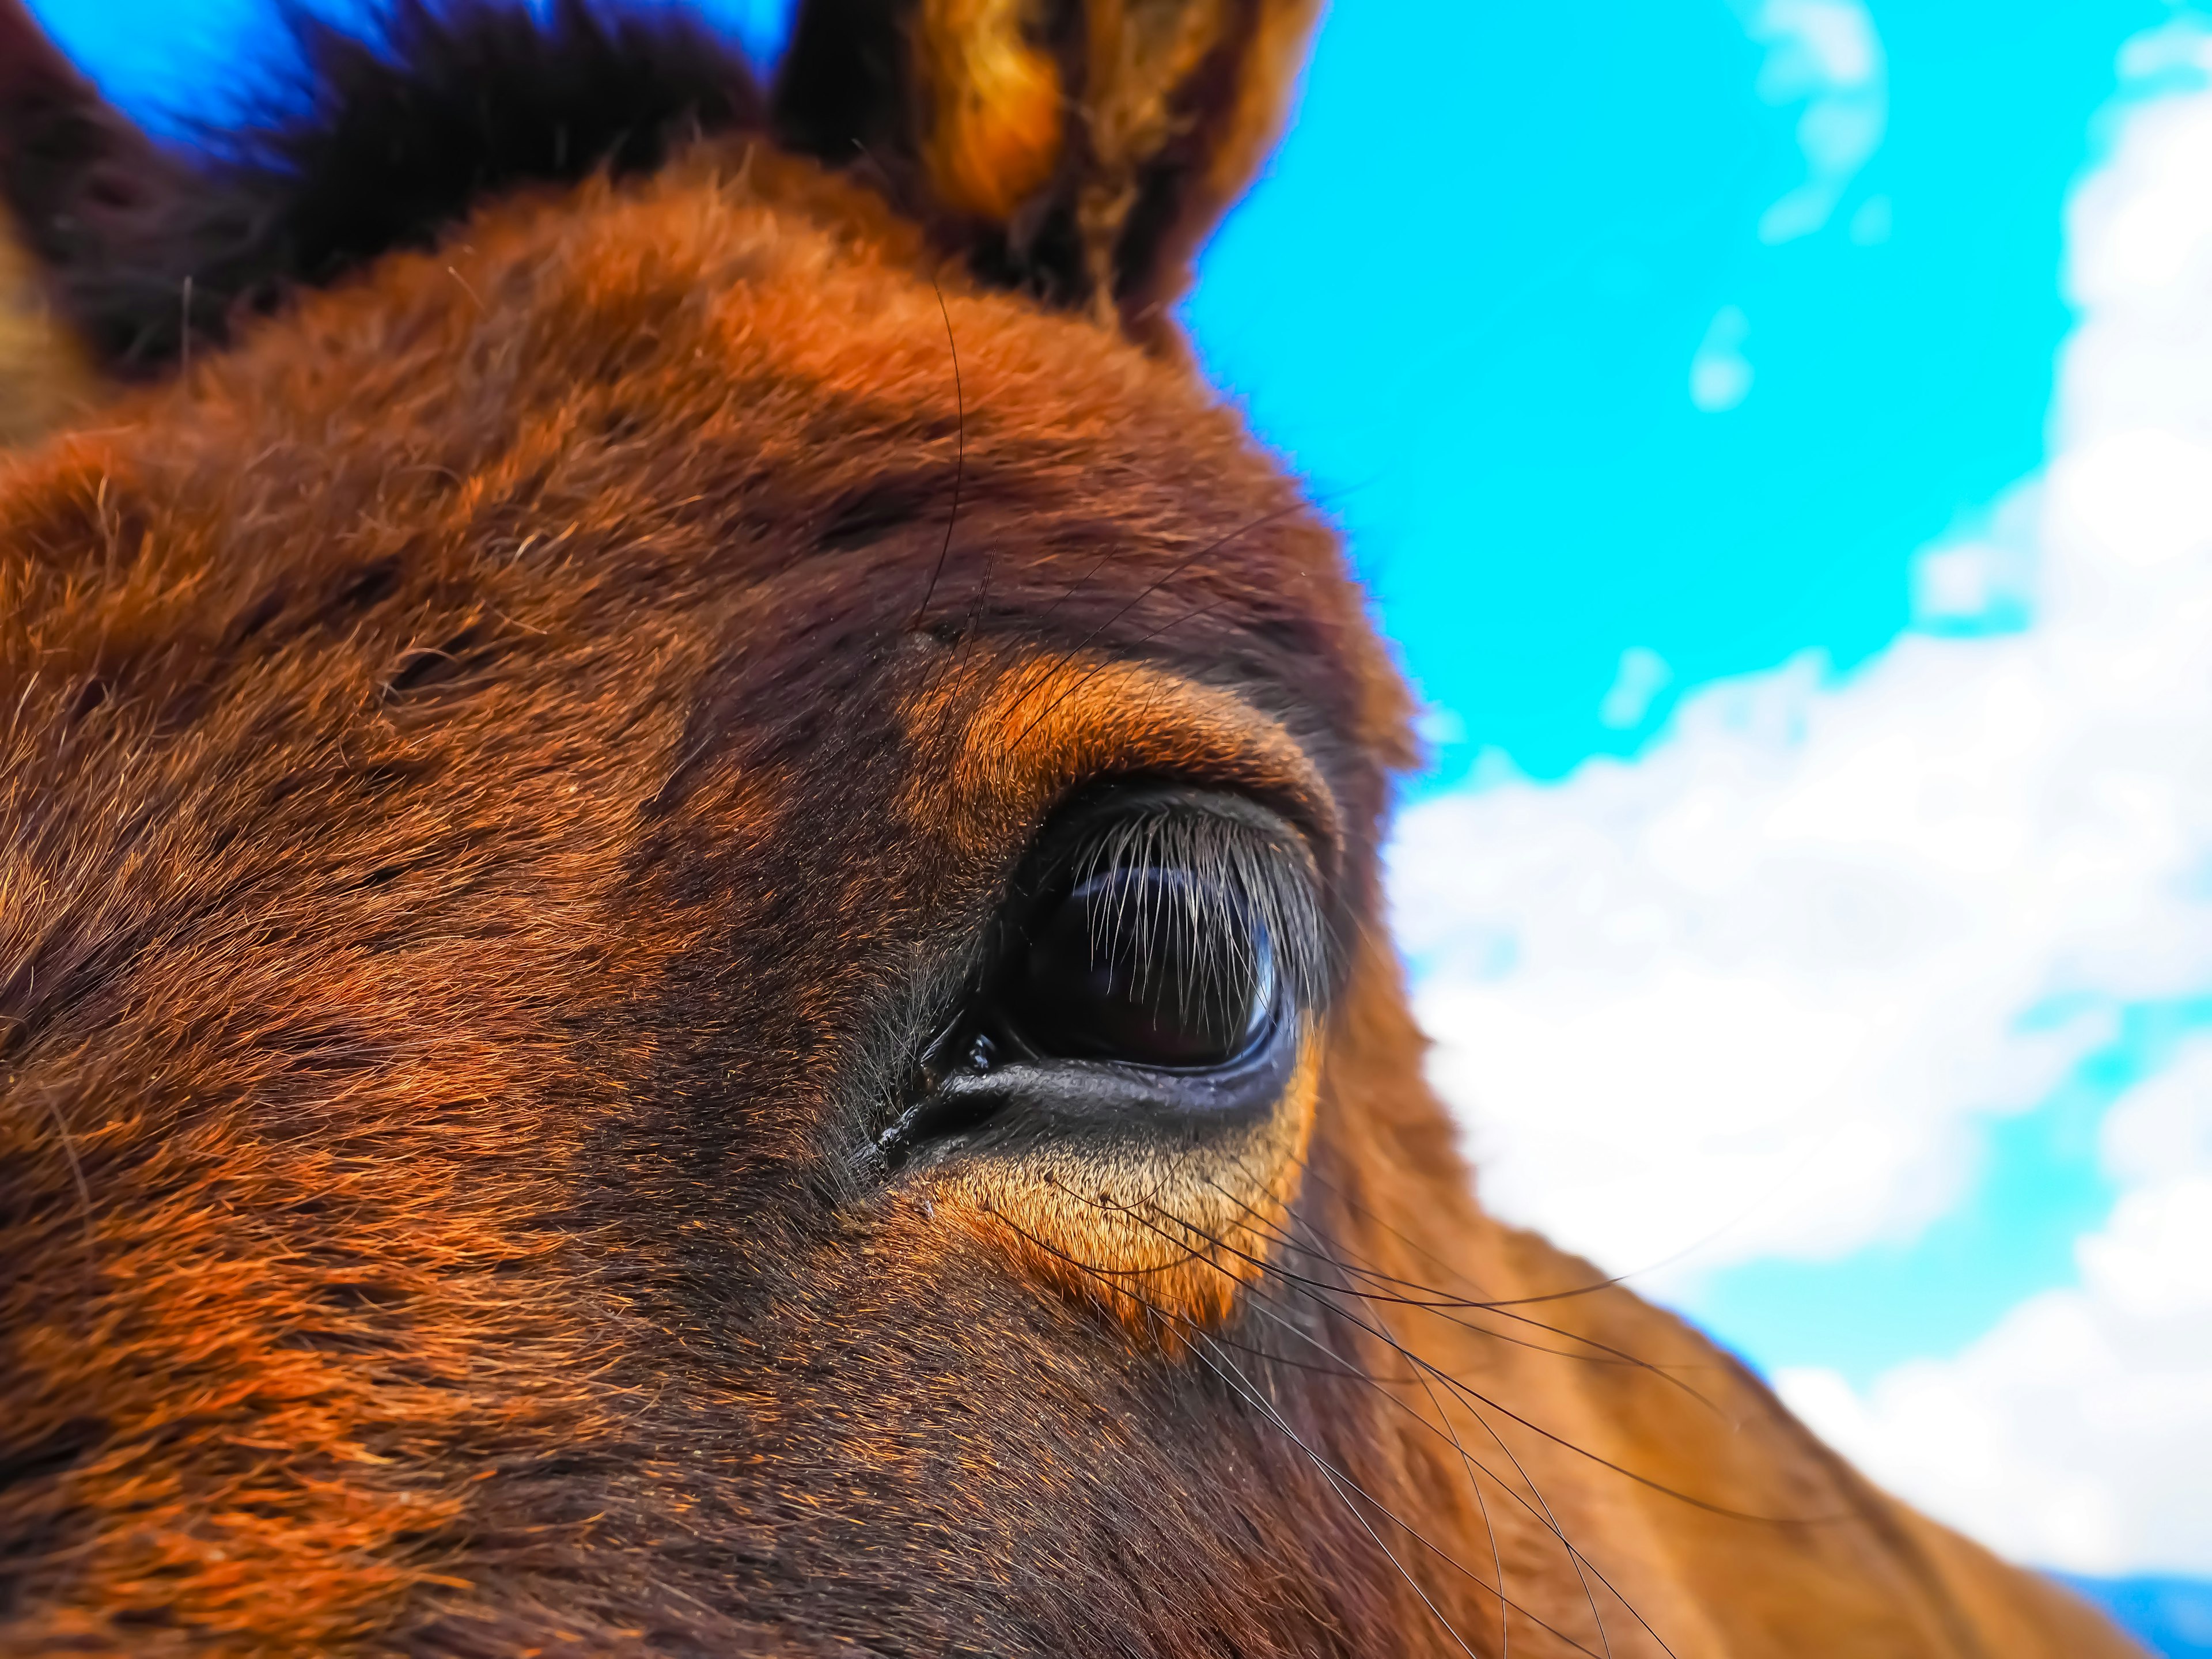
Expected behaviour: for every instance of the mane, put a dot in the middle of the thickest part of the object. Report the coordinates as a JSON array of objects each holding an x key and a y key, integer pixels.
[{"x": 373, "y": 139}]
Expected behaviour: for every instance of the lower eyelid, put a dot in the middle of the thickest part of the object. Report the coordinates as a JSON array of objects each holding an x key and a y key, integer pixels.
[
  {"x": 1025, "y": 1099},
  {"x": 1160, "y": 1232}
]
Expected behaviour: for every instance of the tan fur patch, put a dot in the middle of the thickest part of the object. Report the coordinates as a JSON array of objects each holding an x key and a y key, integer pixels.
[
  {"x": 1025, "y": 735},
  {"x": 1162, "y": 1236},
  {"x": 993, "y": 134}
]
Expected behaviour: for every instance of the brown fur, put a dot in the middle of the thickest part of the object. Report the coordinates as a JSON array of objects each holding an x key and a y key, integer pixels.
[{"x": 498, "y": 766}]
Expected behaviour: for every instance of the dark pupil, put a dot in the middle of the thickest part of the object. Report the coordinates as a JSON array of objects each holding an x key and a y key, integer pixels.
[{"x": 1146, "y": 965}]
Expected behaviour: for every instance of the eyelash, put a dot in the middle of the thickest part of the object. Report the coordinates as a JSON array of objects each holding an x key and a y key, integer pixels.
[{"x": 1237, "y": 865}]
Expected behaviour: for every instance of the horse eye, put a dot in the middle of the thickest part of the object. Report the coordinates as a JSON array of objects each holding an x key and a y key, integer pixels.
[{"x": 1155, "y": 967}]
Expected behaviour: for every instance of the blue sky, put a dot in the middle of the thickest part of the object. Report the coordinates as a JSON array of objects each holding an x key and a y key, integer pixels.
[
  {"x": 1676, "y": 370},
  {"x": 1510, "y": 236}
]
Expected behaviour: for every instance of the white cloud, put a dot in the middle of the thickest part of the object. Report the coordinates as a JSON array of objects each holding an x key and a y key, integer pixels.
[
  {"x": 1641, "y": 675},
  {"x": 1720, "y": 374},
  {"x": 1870, "y": 225},
  {"x": 1773, "y": 977},
  {"x": 2079, "y": 1433},
  {"x": 1826, "y": 55}
]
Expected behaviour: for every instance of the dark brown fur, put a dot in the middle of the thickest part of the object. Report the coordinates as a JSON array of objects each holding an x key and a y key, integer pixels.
[{"x": 496, "y": 769}]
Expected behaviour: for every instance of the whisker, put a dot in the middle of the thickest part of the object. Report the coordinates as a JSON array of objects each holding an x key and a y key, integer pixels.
[
  {"x": 1550, "y": 1520},
  {"x": 959, "y": 460},
  {"x": 1467, "y": 1466},
  {"x": 1614, "y": 1282},
  {"x": 1226, "y": 1370},
  {"x": 1467, "y": 1462},
  {"x": 1537, "y": 1428},
  {"x": 1450, "y": 1381},
  {"x": 1445, "y": 1308},
  {"x": 1541, "y": 1509},
  {"x": 1116, "y": 1281}
]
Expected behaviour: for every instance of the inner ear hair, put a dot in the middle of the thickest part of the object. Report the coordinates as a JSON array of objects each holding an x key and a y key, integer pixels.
[
  {"x": 1077, "y": 150},
  {"x": 44, "y": 377}
]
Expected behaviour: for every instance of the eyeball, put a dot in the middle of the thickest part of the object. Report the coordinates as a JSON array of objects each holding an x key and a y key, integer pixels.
[{"x": 1150, "y": 966}]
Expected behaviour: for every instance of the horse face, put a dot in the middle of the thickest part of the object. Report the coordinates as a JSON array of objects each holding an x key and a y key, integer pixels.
[{"x": 679, "y": 881}]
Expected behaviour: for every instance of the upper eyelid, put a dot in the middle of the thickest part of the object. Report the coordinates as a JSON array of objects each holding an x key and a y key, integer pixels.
[
  {"x": 1189, "y": 814},
  {"x": 1011, "y": 741},
  {"x": 1113, "y": 815}
]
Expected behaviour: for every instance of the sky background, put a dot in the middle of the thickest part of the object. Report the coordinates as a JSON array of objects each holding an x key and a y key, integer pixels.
[{"x": 1779, "y": 435}]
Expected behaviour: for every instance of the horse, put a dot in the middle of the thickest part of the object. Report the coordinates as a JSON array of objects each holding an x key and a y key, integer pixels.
[{"x": 691, "y": 960}]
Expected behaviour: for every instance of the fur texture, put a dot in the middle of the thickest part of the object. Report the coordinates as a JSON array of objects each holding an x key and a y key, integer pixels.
[{"x": 500, "y": 768}]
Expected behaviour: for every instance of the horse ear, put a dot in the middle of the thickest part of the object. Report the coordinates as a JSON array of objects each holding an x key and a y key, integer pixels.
[
  {"x": 44, "y": 379},
  {"x": 78, "y": 184},
  {"x": 1078, "y": 149}
]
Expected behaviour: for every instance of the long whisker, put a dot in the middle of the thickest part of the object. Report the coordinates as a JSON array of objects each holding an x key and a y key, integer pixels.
[
  {"x": 1467, "y": 1459},
  {"x": 959, "y": 460},
  {"x": 1591, "y": 1289},
  {"x": 1605, "y": 1355},
  {"x": 1116, "y": 1282},
  {"x": 1584, "y": 1569},
  {"x": 1550, "y": 1521},
  {"x": 1457, "y": 1385},
  {"x": 1472, "y": 1464},
  {"x": 1445, "y": 1308},
  {"x": 1226, "y": 1372},
  {"x": 1466, "y": 1466},
  {"x": 1540, "y": 1508},
  {"x": 1484, "y": 1304},
  {"x": 1611, "y": 1282},
  {"x": 1460, "y": 1386}
]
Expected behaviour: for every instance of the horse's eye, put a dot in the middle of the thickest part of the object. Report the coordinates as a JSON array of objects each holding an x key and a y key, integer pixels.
[{"x": 1151, "y": 966}]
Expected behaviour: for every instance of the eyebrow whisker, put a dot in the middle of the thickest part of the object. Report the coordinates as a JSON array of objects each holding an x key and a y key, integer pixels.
[{"x": 959, "y": 461}]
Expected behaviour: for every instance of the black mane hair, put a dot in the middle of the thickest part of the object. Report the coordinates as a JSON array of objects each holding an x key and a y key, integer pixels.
[{"x": 368, "y": 142}]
